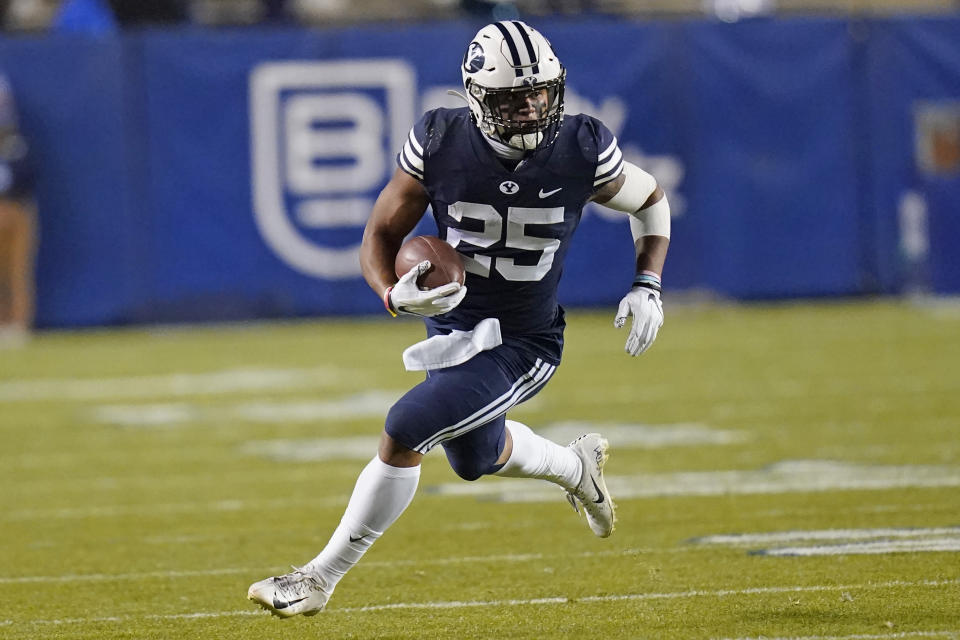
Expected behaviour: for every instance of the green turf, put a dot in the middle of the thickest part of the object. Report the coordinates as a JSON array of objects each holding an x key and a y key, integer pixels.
[{"x": 121, "y": 531}]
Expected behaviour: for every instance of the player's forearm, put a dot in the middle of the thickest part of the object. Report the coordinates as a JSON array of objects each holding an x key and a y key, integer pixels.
[
  {"x": 650, "y": 227},
  {"x": 395, "y": 214},
  {"x": 377, "y": 255},
  {"x": 651, "y": 253}
]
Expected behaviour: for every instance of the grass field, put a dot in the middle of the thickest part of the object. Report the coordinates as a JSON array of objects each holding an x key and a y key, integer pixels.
[{"x": 788, "y": 471}]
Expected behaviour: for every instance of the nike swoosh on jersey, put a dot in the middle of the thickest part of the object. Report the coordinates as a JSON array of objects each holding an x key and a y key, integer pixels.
[
  {"x": 547, "y": 194},
  {"x": 280, "y": 604},
  {"x": 357, "y": 538},
  {"x": 599, "y": 493}
]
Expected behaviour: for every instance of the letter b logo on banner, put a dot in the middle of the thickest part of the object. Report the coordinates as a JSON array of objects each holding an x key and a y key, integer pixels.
[{"x": 323, "y": 136}]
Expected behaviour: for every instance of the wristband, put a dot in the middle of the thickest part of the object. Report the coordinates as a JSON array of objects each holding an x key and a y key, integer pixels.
[
  {"x": 386, "y": 301},
  {"x": 647, "y": 279}
]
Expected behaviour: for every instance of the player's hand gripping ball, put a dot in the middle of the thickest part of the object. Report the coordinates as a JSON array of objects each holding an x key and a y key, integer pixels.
[
  {"x": 446, "y": 265},
  {"x": 431, "y": 278}
]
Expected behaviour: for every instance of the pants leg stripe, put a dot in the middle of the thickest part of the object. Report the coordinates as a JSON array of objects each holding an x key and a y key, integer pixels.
[
  {"x": 483, "y": 411},
  {"x": 533, "y": 390},
  {"x": 522, "y": 388},
  {"x": 523, "y": 393}
]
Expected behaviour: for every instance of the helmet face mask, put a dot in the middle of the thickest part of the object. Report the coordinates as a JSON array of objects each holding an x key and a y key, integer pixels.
[
  {"x": 521, "y": 117},
  {"x": 514, "y": 84}
]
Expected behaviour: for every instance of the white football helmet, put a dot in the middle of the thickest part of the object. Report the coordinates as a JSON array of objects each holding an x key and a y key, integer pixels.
[{"x": 514, "y": 84}]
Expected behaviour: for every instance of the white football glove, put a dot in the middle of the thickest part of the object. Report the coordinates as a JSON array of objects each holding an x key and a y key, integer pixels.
[
  {"x": 407, "y": 297},
  {"x": 643, "y": 303}
]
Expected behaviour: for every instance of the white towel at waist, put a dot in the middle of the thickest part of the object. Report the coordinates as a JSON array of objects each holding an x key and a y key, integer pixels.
[{"x": 454, "y": 348}]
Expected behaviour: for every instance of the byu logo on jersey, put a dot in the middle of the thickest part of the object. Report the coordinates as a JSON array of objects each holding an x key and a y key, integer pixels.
[
  {"x": 474, "y": 58},
  {"x": 509, "y": 187},
  {"x": 323, "y": 136}
]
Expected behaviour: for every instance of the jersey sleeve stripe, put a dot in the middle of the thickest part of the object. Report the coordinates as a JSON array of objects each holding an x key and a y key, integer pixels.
[
  {"x": 608, "y": 165},
  {"x": 415, "y": 144},
  {"x": 606, "y": 152},
  {"x": 412, "y": 158},
  {"x": 607, "y": 177},
  {"x": 405, "y": 165}
]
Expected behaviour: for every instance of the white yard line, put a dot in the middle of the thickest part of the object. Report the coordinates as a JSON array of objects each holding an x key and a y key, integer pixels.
[
  {"x": 644, "y": 436},
  {"x": 147, "y": 575},
  {"x": 171, "y": 385},
  {"x": 149, "y": 510},
  {"x": 945, "y": 633},
  {"x": 111, "y": 577},
  {"x": 825, "y": 534},
  {"x": 464, "y": 604},
  {"x": 870, "y": 547},
  {"x": 782, "y": 477},
  {"x": 788, "y": 476},
  {"x": 833, "y": 542},
  {"x": 720, "y": 593},
  {"x": 524, "y": 557},
  {"x": 377, "y": 402},
  {"x": 370, "y": 403},
  {"x": 766, "y": 514}
]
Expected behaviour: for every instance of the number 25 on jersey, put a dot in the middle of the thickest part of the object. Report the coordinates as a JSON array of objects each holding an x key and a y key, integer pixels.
[{"x": 518, "y": 220}]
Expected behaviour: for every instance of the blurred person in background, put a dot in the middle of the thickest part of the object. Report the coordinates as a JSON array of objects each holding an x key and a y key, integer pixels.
[
  {"x": 236, "y": 12},
  {"x": 507, "y": 177},
  {"x": 17, "y": 226},
  {"x": 135, "y": 13},
  {"x": 27, "y": 15}
]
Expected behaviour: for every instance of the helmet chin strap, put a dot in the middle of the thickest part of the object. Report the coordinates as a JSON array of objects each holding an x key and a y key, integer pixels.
[
  {"x": 520, "y": 144},
  {"x": 528, "y": 141},
  {"x": 503, "y": 150}
]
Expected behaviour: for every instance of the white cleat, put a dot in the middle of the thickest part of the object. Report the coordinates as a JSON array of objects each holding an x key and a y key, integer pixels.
[
  {"x": 591, "y": 493},
  {"x": 299, "y": 592}
]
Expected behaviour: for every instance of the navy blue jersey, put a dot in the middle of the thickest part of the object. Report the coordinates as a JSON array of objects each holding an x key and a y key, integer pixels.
[{"x": 513, "y": 228}]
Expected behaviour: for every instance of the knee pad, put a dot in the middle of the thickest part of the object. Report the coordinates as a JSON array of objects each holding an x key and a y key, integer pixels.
[
  {"x": 472, "y": 457},
  {"x": 468, "y": 467}
]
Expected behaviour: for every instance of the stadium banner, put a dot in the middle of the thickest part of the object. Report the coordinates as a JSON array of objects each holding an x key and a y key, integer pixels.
[
  {"x": 72, "y": 103},
  {"x": 912, "y": 96},
  {"x": 771, "y": 186},
  {"x": 215, "y": 175}
]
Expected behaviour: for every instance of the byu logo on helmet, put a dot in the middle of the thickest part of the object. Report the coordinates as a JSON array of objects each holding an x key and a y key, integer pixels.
[
  {"x": 473, "y": 60},
  {"x": 306, "y": 119}
]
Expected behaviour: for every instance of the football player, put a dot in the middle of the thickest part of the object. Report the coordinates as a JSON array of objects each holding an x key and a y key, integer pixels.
[
  {"x": 17, "y": 226},
  {"x": 507, "y": 178}
]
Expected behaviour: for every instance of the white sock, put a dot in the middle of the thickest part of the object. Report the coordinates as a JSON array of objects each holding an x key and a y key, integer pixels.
[
  {"x": 534, "y": 456},
  {"x": 381, "y": 494}
]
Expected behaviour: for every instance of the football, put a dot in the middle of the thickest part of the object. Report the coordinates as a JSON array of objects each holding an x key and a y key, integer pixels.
[{"x": 446, "y": 265}]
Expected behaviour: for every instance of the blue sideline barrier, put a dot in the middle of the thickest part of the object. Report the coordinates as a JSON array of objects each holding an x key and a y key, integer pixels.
[{"x": 213, "y": 175}]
